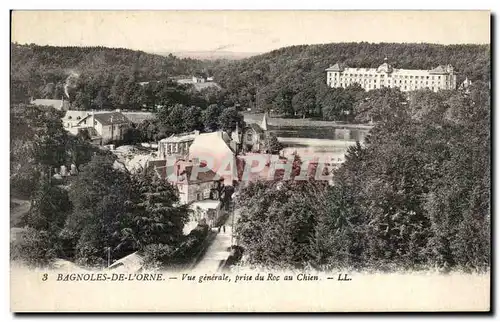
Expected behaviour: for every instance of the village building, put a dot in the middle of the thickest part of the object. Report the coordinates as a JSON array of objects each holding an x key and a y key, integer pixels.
[
  {"x": 220, "y": 149},
  {"x": 138, "y": 117},
  {"x": 176, "y": 146},
  {"x": 439, "y": 78},
  {"x": 465, "y": 84},
  {"x": 72, "y": 118},
  {"x": 103, "y": 127},
  {"x": 201, "y": 190},
  {"x": 206, "y": 212},
  {"x": 253, "y": 136},
  {"x": 198, "y": 81}
]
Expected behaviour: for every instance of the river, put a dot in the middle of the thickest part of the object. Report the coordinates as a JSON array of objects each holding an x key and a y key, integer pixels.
[{"x": 323, "y": 142}]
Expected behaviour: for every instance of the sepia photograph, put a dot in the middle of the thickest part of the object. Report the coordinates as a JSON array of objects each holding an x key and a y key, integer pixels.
[{"x": 250, "y": 161}]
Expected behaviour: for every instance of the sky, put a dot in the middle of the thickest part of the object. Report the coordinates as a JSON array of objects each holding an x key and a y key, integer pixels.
[{"x": 244, "y": 31}]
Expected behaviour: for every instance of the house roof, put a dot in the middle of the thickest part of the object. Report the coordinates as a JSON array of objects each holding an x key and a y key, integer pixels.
[
  {"x": 185, "y": 81},
  {"x": 200, "y": 86},
  {"x": 111, "y": 118},
  {"x": 73, "y": 115},
  {"x": 92, "y": 132},
  {"x": 201, "y": 177},
  {"x": 139, "y": 117},
  {"x": 438, "y": 70},
  {"x": 214, "y": 141},
  {"x": 256, "y": 127},
  {"x": 385, "y": 67},
  {"x": 205, "y": 204},
  {"x": 57, "y": 104},
  {"x": 181, "y": 137},
  {"x": 336, "y": 68},
  {"x": 132, "y": 263},
  {"x": 165, "y": 170},
  {"x": 441, "y": 69}
]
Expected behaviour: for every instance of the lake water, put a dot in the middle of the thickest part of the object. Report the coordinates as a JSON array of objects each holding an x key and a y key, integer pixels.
[
  {"x": 315, "y": 138},
  {"x": 323, "y": 142}
]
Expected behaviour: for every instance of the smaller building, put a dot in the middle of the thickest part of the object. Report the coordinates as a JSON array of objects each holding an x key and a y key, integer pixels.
[
  {"x": 206, "y": 185},
  {"x": 208, "y": 211},
  {"x": 139, "y": 117},
  {"x": 199, "y": 82},
  {"x": 202, "y": 194},
  {"x": 254, "y": 136},
  {"x": 220, "y": 149},
  {"x": 465, "y": 84},
  {"x": 109, "y": 126},
  {"x": 199, "y": 79},
  {"x": 72, "y": 118},
  {"x": 176, "y": 145}
]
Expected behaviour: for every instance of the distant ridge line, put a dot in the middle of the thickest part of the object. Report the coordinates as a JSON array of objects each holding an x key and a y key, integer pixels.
[{"x": 210, "y": 54}]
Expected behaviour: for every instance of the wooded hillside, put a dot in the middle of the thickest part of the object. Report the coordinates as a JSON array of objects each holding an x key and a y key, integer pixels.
[
  {"x": 274, "y": 79},
  {"x": 41, "y": 71}
]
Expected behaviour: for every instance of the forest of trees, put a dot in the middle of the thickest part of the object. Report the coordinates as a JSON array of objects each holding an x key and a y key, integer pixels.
[
  {"x": 415, "y": 195},
  {"x": 97, "y": 77},
  {"x": 180, "y": 119},
  {"x": 289, "y": 81},
  {"x": 106, "y": 78},
  {"x": 102, "y": 210},
  {"x": 292, "y": 80},
  {"x": 39, "y": 144}
]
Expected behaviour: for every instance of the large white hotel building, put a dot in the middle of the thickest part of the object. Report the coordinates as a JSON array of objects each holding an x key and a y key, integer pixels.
[{"x": 441, "y": 77}]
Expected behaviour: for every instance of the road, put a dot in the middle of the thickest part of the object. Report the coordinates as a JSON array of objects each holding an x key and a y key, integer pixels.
[
  {"x": 217, "y": 252},
  {"x": 19, "y": 208}
]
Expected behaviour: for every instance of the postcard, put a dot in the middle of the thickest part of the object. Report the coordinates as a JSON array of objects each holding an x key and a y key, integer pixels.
[{"x": 250, "y": 161}]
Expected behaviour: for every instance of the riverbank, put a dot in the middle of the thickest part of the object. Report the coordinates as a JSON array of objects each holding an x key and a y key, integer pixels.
[{"x": 307, "y": 122}]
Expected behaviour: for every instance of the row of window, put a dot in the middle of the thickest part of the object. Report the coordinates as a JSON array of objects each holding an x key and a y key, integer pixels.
[
  {"x": 406, "y": 87},
  {"x": 383, "y": 76},
  {"x": 359, "y": 81},
  {"x": 369, "y": 81},
  {"x": 176, "y": 148}
]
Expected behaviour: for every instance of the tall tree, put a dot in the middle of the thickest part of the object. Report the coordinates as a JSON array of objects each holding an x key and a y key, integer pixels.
[
  {"x": 155, "y": 217},
  {"x": 229, "y": 118},
  {"x": 211, "y": 117},
  {"x": 101, "y": 196}
]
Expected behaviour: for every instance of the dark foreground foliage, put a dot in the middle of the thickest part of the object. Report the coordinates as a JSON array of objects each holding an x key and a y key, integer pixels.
[{"x": 415, "y": 195}]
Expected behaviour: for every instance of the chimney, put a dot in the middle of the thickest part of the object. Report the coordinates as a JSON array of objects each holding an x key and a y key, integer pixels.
[
  {"x": 92, "y": 119},
  {"x": 264, "y": 122}
]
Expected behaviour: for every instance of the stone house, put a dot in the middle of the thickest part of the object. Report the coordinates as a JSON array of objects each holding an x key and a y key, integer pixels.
[{"x": 110, "y": 126}]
